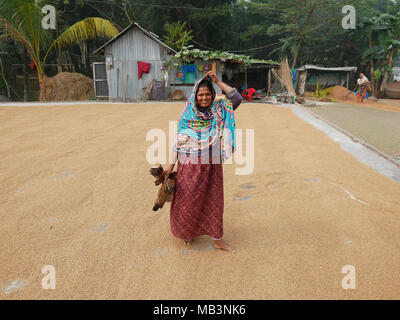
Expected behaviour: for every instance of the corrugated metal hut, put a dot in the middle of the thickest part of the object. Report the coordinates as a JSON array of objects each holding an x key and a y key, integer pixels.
[
  {"x": 133, "y": 49},
  {"x": 117, "y": 78}
]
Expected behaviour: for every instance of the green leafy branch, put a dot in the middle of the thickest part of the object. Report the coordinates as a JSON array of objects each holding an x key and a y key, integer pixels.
[{"x": 188, "y": 54}]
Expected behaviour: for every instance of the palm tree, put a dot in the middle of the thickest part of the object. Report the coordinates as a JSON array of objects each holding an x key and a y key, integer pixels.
[{"x": 21, "y": 21}]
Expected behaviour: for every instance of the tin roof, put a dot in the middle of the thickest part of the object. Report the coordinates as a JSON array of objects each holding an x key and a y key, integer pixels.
[
  {"x": 312, "y": 67},
  {"x": 134, "y": 25}
]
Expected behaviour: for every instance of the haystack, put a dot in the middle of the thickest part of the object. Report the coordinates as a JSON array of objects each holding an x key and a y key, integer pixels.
[{"x": 67, "y": 86}]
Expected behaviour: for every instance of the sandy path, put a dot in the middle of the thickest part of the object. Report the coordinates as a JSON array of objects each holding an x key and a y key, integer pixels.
[{"x": 76, "y": 194}]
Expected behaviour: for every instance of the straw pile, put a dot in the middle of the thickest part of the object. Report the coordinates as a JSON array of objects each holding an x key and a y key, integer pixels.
[
  {"x": 67, "y": 86},
  {"x": 286, "y": 76}
]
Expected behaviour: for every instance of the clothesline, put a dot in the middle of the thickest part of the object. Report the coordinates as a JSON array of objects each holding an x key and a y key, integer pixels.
[
  {"x": 147, "y": 60},
  {"x": 145, "y": 64},
  {"x": 144, "y": 60}
]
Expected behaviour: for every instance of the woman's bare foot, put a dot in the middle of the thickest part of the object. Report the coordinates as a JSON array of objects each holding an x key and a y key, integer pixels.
[
  {"x": 221, "y": 244},
  {"x": 188, "y": 241}
]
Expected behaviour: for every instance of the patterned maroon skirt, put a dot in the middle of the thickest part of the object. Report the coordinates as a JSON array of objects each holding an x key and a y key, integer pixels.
[{"x": 198, "y": 204}]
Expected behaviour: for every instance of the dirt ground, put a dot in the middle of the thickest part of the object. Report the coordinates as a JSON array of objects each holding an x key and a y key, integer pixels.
[
  {"x": 76, "y": 194},
  {"x": 378, "y": 127}
]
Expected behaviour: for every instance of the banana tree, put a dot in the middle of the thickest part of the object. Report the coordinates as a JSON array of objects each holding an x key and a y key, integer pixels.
[
  {"x": 21, "y": 21},
  {"x": 390, "y": 43},
  {"x": 382, "y": 34},
  {"x": 366, "y": 32}
]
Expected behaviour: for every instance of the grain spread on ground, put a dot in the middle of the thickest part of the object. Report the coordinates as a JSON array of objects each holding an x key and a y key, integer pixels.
[{"x": 76, "y": 194}]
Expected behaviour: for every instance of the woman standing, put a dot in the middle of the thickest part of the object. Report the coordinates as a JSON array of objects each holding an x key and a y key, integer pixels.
[{"x": 206, "y": 135}]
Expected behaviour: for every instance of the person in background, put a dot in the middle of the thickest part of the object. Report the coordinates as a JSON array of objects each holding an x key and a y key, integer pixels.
[{"x": 361, "y": 87}]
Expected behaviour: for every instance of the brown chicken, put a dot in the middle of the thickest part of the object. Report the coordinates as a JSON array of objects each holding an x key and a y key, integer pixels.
[{"x": 167, "y": 188}]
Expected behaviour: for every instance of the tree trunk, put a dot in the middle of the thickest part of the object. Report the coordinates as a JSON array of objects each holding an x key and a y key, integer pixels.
[
  {"x": 87, "y": 61},
  {"x": 340, "y": 58},
  {"x": 296, "y": 54},
  {"x": 59, "y": 67},
  {"x": 126, "y": 12},
  {"x": 371, "y": 67},
  {"x": 386, "y": 73},
  {"x": 25, "y": 75},
  {"x": 4, "y": 78},
  {"x": 41, "y": 77}
]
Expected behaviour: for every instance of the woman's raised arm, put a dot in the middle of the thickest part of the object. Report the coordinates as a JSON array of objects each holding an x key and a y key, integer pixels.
[
  {"x": 219, "y": 83},
  {"x": 231, "y": 93}
]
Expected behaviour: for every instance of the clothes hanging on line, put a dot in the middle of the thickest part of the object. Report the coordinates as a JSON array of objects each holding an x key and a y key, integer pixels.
[
  {"x": 189, "y": 68},
  {"x": 143, "y": 67},
  {"x": 179, "y": 74}
]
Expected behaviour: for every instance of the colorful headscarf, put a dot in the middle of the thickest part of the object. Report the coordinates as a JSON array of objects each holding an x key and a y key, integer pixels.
[{"x": 198, "y": 131}]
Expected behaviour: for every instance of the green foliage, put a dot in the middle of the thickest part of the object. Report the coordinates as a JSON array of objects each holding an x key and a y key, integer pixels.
[
  {"x": 387, "y": 68},
  {"x": 83, "y": 30},
  {"x": 263, "y": 29},
  {"x": 187, "y": 54},
  {"x": 21, "y": 21},
  {"x": 371, "y": 51},
  {"x": 177, "y": 35}
]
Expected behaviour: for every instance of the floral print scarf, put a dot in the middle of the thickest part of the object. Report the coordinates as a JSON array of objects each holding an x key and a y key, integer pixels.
[{"x": 199, "y": 131}]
